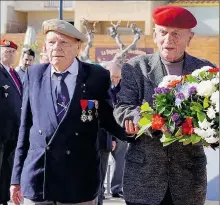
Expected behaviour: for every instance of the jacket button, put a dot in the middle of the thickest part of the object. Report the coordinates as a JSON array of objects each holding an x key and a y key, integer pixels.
[
  {"x": 68, "y": 152},
  {"x": 48, "y": 148},
  {"x": 40, "y": 132},
  {"x": 76, "y": 133}
]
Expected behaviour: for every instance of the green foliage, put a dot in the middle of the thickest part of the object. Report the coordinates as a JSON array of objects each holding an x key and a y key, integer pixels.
[
  {"x": 201, "y": 116},
  {"x": 206, "y": 102},
  {"x": 191, "y": 79}
]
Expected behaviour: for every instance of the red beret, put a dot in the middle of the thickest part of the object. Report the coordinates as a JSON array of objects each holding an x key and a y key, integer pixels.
[
  {"x": 7, "y": 43},
  {"x": 174, "y": 16}
]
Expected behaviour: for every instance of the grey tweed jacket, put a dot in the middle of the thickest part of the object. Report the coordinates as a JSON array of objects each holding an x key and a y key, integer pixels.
[{"x": 150, "y": 167}]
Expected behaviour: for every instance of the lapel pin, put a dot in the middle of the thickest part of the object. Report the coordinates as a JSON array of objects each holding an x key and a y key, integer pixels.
[{"x": 6, "y": 87}]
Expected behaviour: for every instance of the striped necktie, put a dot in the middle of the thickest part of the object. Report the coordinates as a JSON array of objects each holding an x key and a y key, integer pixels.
[
  {"x": 62, "y": 94},
  {"x": 15, "y": 78}
]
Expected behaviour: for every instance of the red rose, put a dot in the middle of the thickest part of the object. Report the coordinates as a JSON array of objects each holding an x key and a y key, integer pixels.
[
  {"x": 187, "y": 127},
  {"x": 173, "y": 83},
  {"x": 157, "y": 122},
  {"x": 214, "y": 70}
]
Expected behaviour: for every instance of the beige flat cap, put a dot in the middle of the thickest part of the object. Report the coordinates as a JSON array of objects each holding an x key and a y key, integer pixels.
[{"x": 63, "y": 27}]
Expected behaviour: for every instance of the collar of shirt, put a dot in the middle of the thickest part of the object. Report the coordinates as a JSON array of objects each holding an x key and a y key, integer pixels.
[
  {"x": 7, "y": 68},
  {"x": 73, "y": 69}
]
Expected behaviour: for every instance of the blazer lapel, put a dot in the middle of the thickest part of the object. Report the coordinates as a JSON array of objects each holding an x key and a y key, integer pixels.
[
  {"x": 2, "y": 68},
  {"x": 49, "y": 105},
  {"x": 74, "y": 109},
  {"x": 156, "y": 74}
]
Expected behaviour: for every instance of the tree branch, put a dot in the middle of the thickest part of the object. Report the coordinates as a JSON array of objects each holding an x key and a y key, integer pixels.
[
  {"x": 85, "y": 56},
  {"x": 123, "y": 53}
]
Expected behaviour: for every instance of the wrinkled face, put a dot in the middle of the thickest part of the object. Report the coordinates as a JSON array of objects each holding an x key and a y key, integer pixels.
[
  {"x": 61, "y": 49},
  {"x": 172, "y": 42},
  {"x": 115, "y": 77},
  {"x": 8, "y": 55},
  {"x": 27, "y": 60}
]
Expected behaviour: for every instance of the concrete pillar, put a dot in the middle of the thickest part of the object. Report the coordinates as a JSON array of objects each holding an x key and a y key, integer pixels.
[{"x": 3, "y": 16}]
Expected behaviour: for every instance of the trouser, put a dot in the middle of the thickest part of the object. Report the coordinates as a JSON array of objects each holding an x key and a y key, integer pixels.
[
  {"x": 30, "y": 202},
  {"x": 119, "y": 157},
  {"x": 104, "y": 166}
]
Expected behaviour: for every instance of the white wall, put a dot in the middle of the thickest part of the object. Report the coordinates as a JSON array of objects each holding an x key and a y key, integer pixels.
[
  {"x": 208, "y": 20},
  {"x": 3, "y": 5},
  {"x": 35, "y": 19},
  {"x": 11, "y": 20},
  {"x": 212, "y": 174}
]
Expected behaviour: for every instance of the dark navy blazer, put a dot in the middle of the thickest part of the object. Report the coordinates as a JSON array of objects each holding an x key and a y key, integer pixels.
[{"x": 61, "y": 162}]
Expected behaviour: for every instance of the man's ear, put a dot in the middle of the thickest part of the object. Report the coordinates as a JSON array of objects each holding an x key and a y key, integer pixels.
[
  {"x": 79, "y": 48},
  {"x": 154, "y": 36},
  {"x": 79, "y": 45},
  {"x": 190, "y": 38}
]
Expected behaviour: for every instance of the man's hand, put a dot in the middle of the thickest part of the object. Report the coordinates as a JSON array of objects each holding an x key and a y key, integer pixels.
[
  {"x": 114, "y": 144},
  {"x": 130, "y": 128},
  {"x": 15, "y": 192}
]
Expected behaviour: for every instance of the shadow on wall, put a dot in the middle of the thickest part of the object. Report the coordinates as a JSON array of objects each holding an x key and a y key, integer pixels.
[{"x": 213, "y": 189}]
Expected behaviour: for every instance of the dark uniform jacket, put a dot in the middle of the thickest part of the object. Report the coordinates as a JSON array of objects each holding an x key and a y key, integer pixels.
[{"x": 10, "y": 110}]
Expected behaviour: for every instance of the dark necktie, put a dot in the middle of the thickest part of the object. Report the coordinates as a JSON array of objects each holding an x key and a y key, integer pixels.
[
  {"x": 62, "y": 95},
  {"x": 17, "y": 82}
]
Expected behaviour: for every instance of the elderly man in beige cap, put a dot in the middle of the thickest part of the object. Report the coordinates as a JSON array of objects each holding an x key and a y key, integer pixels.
[{"x": 65, "y": 101}]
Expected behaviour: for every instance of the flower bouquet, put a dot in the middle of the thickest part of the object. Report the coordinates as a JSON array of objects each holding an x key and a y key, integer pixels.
[{"x": 185, "y": 108}]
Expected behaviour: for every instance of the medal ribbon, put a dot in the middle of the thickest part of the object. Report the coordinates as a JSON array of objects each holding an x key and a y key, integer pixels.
[
  {"x": 91, "y": 104},
  {"x": 83, "y": 104}
]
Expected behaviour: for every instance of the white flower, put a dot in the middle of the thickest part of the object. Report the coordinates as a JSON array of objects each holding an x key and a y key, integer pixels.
[
  {"x": 196, "y": 72},
  {"x": 205, "y": 124},
  {"x": 215, "y": 97},
  {"x": 217, "y": 107},
  {"x": 205, "y": 88},
  {"x": 168, "y": 79},
  {"x": 205, "y": 68},
  {"x": 215, "y": 100},
  {"x": 211, "y": 132},
  {"x": 215, "y": 81},
  {"x": 211, "y": 112},
  {"x": 211, "y": 140},
  {"x": 202, "y": 133},
  {"x": 208, "y": 134}
]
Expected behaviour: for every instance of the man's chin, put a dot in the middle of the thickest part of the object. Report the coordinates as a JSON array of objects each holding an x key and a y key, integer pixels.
[{"x": 169, "y": 57}]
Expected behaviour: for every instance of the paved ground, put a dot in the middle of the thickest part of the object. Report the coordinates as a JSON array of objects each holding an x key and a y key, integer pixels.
[{"x": 114, "y": 201}]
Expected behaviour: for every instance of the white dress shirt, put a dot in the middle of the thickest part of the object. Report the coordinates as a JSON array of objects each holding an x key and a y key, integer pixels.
[{"x": 70, "y": 80}]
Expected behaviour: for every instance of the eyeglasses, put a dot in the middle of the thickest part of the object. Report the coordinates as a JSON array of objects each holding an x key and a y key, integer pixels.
[{"x": 10, "y": 51}]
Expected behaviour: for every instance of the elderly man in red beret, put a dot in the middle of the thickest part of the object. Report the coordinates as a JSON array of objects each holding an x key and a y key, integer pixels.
[
  {"x": 10, "y": 110},
  {"x": 157, "y": 175}
]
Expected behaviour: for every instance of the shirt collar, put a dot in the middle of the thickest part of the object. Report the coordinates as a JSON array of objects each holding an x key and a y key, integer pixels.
[
  {"x": 73, "y": 69},
  {"x": 7, "y": 68}
]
